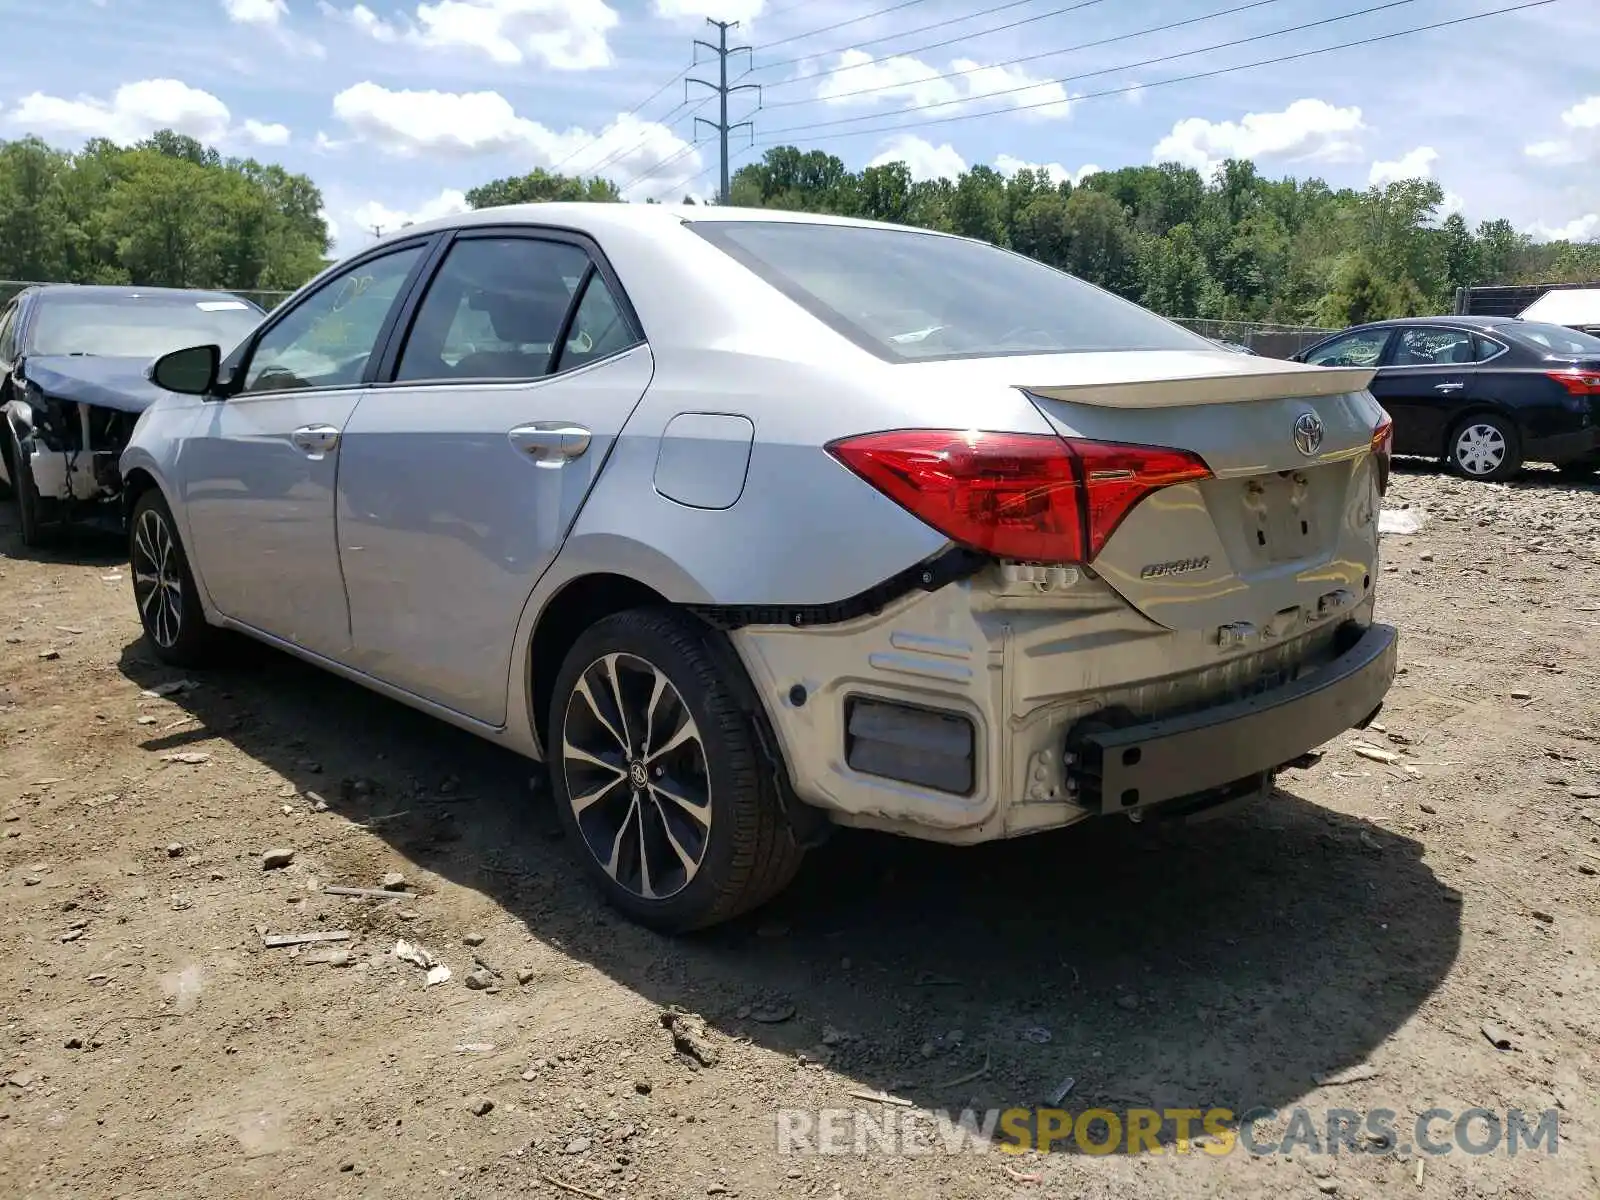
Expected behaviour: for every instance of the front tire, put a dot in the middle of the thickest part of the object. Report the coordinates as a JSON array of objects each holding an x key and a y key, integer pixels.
[
  {"x": 30, "y": 519},
  {"x": 658, "y": 776},
  {"x": 1486, "y": 447},
  {"x": 163, "y": 586}
]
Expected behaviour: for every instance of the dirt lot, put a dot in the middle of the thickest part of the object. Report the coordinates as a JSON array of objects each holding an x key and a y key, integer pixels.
[{"x": 1371, "y": 914}]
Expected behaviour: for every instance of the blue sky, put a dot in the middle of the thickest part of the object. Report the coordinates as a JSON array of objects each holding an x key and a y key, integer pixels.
[{"x": 395, "y": 109}]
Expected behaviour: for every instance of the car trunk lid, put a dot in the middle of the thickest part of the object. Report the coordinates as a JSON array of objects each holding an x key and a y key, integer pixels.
[{"x": 1283, "y": 537}]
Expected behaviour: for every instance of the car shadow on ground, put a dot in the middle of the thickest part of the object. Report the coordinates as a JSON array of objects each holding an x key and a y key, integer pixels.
[
  {"x": 70, "y": 546},
  {"x": 1228, "y": 965}
]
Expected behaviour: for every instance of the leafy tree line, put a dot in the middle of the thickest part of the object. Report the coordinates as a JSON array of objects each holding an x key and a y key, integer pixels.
[
  {"x": 164, "y": 211},
  {"x": 1236, "y": 246}
]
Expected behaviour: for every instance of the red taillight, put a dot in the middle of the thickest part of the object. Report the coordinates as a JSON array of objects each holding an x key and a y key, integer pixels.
[
  {"x": 1034, "y": 497},
  {"x": 1577, "y": 381},
  {"x": 1383, "y": 450}
]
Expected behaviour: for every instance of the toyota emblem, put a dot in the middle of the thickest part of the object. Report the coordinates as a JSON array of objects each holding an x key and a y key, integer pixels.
[{"x": 1308, "y": 433}]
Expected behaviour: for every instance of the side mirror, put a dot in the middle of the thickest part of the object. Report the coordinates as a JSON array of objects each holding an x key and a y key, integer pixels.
[{"x": 189, "y": 372}]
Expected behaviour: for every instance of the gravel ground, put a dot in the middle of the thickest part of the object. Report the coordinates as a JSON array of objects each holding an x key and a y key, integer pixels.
[{"x": 1420, "y": 880}]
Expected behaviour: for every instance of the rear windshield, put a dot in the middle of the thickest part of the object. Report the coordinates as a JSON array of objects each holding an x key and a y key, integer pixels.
[
  {"x": 1557, "y": 339},
  {"x": 138, "y": 326},
  {"x": 910, "y": 297}
]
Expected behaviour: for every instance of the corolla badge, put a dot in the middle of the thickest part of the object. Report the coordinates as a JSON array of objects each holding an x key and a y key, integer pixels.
[{"x": 1308, "y": 433}]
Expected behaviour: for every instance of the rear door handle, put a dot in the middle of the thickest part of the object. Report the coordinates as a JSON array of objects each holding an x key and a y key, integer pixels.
[
  {"x": 1448, "y": 387},
  {"x": 551, "y": 441},
  {"x": 315, "y": 439}
]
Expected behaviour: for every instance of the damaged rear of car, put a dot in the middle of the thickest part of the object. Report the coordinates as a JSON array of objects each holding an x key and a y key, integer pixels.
[{"x": 72, "y": 385}]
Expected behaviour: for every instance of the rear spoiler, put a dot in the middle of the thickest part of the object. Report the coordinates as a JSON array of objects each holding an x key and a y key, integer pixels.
[{"x": 1267, "y": 379}]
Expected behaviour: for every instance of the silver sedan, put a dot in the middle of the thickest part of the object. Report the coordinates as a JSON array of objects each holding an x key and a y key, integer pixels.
[{"x": 752, "y": 524}]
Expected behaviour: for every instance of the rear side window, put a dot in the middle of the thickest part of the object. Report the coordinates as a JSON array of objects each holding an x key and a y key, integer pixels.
[
  {"x": 907, "y": 296},
  {"x": 1427, "y": 347},
  {"x": 495, "y": 310}
]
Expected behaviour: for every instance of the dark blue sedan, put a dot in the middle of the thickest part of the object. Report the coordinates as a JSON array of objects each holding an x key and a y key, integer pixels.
[
  {"x": 72, "y": 384},
  {"x": 1486, "y": 394}
]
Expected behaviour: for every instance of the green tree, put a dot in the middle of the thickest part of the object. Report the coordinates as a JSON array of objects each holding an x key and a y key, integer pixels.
[{"x": 540, "y": 185}]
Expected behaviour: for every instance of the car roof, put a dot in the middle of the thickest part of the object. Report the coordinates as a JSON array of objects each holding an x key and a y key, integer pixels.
[
  {"x": 1453, "y": 321},
  {"x": 596, "y": 218}
]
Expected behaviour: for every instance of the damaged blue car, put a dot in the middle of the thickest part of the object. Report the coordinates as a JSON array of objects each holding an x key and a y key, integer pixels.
[{"x": 72, "y": 384}]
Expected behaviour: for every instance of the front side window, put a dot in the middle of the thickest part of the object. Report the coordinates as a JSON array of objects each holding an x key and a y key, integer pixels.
[
  {"x": 1359, "y": 349},
  {"x": 326, "y": 340},
  {"x": 908, "y": 296},
  {"x": 1433, "y": 348},
  {"x": 494, "y": 310}
]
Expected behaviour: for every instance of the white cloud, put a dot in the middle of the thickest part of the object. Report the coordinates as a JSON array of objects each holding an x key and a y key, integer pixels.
[
  {"x": 264, "y": 133},
  {"x": 272, "y": 16},
  {"x": 473, "y": 124},
  {"x": 134, "y": 111},
  {"x": 256, "y": 12},
  {"x": 911, "y": 81},
  {"x": 1582, "y": 143},
  {"x": 1580, "y": 229},
  {"x": 374, "y": 215},
  {"x": 719, "y": 10},
  {"x": 922, "y": 158},
  {"x": 1008, "y": 165},
  {"x": 1307, "y": 129},
  {"x": 567, "y": 35},
  {"x": 1414, "y": 164}
]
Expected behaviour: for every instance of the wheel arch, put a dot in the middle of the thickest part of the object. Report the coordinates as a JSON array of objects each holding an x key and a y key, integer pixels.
[
  {"x": 578, "y": 604},
  {"x": 1476, "y": 407}
]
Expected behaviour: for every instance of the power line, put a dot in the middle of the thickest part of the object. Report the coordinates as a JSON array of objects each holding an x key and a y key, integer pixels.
[
  {"x": 688, "y": 148},
  {"x": 1055, "y": 12},
  {"x": 1149, "y": 62},
  {"x": 1010, "y": 62},
  {"x": 634, "y": 111},
  {"x": 882, "y": 12},
  {"x": 1266, "y": 62}
]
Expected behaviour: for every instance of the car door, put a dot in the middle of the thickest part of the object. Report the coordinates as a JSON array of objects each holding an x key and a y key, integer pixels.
[
  {"x": 1425, "y": 376},
  {"x": 461, "y": 476},
  {"x": 258, "y": 468}
]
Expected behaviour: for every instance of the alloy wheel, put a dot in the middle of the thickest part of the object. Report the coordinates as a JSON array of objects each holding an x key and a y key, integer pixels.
[
  {"x": 157, "y": 584},
  {"x": 1480, "y": 449},
  {"x": 635, "y": 769}
]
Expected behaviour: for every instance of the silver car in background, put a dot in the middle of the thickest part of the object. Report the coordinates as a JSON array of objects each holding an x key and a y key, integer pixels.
[{"x": 753, "y": 523}]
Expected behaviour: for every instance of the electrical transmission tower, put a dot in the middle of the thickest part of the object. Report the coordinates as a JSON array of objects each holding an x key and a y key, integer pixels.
[{"x": 722, "y": 50}]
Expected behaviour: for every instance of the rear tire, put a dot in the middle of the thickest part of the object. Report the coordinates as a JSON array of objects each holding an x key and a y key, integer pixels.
[
  {"x": 658, "y": 775},
  {"x": 1485, "y": 447},
  {"x": 163, "y": 586}
]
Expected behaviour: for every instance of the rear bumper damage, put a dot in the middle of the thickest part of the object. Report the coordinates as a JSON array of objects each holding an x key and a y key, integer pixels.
[
  {"x": 1136, "y": 766},
  {"x": 1012, "y": 702}
]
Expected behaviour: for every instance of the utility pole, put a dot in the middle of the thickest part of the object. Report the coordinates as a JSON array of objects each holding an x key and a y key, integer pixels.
[{"x": 722, "y": 50}]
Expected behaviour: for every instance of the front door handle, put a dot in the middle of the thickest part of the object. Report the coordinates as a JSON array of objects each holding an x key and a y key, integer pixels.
[
  {"x": 1448, "y": 387},
  {"x": 551, "y": 441},
  {"x": 315, "y": 439}
]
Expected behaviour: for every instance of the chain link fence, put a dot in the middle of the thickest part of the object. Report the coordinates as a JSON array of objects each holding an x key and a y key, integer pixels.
[
  {"x": 1261, "y": 337},
  {"x": 268, "y": 300}
]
